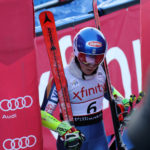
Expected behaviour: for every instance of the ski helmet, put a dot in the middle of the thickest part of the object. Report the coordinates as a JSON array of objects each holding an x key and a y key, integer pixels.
[{"x": 90, "y": 45}]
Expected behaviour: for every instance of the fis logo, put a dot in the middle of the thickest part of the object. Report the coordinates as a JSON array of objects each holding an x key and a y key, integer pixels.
[
  {"x": 88, "y": 92},
  {"x": 74, "y": 83}
]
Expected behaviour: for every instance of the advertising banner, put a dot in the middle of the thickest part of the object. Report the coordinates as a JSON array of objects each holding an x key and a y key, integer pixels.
[
  {"x": 145, "y": 35},
  {"x": 20, "y": 121}
]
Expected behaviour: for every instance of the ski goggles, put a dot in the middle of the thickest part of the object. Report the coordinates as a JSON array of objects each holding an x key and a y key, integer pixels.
[{"x": 90, "y": 59}]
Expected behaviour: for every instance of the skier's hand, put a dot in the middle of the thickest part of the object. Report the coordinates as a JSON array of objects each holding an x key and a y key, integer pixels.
[
  {"x": 140, "y": 97},
  {"x": 125, "y": 109},
  {"x": 73, "y": 139},
  {"x": 70, "y": 135}
]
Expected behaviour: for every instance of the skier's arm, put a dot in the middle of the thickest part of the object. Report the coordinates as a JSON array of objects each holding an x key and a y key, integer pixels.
[
  {"x": 50, "y": 99},
  {"x": 49, "y": 121},
  {"x": 122, "y": 104},
  {"x": 119, "y": 99},
  {"x": 72, "y": 137}
]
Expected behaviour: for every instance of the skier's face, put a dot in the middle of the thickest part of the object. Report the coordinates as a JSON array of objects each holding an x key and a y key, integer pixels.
[
  {"x": 88, "y": 68},
  {"x": 89, "y": 64}
]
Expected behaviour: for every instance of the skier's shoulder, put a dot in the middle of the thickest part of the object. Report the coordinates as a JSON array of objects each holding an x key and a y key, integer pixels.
[
  {"x": 71, "y": 70},
  {"x": 50, "y": 84},
  {"x": 66, "y": 69},
  {"x": 100, "y": 70}
]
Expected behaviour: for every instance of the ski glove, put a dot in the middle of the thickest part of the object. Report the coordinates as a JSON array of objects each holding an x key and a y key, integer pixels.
[
  {"x": 71, "y": 136},
  {"x": 123, "y": 107},
  {"x": 126, "y": 107}
]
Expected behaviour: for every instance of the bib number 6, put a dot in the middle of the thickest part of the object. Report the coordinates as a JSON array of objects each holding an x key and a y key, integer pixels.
[{"x": 91, "y": 108}]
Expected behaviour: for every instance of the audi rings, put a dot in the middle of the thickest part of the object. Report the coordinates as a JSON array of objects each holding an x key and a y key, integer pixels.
[
  {"x": 19, "y": 143},
  {"x": 16, "y": 103}
]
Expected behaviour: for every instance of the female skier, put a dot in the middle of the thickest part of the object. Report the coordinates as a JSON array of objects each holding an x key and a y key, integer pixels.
[{"x": 86, "y": 86}]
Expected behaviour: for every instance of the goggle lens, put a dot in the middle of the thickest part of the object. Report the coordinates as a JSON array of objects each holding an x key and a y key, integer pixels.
[{"x": 90, "y": 59}]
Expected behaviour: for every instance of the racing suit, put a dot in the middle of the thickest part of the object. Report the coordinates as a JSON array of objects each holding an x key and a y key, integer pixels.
[{"x": 86, "y": 98}]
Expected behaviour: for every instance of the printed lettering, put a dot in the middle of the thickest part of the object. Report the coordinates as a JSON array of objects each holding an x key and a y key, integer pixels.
[
  {"x": 9, "y": 116},
  {"x": 76, "y": 95},
  {"x": 88, "y": 92}
]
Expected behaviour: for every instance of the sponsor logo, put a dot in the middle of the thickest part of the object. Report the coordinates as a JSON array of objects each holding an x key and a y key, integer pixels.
[
  {"x": 16, "y": 103},
  {"x": 19, "y": 143},
  {"x": 9, "y": 116},
  {"x": 74, "y": 83},
  {"x": 95, "y": 44},
  {"x": 49, "y": 107},
  {"x": 93, "y": 51},
  {"x": 88, "y": 92}
]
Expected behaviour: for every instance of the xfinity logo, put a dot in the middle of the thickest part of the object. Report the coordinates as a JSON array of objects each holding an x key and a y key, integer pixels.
[{"x": 87, "y": 92}]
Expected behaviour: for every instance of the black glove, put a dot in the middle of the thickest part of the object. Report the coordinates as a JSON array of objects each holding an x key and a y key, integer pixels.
[{"x": 73, "y": 139}]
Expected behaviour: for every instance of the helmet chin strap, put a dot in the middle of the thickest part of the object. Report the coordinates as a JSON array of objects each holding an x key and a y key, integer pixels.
[{"x": 83, "y": 74}]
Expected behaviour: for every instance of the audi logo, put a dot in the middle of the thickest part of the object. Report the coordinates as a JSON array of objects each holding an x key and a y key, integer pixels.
[
  {"x": 19, "y": 143},
  {"x": 16, "y": 103}
]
